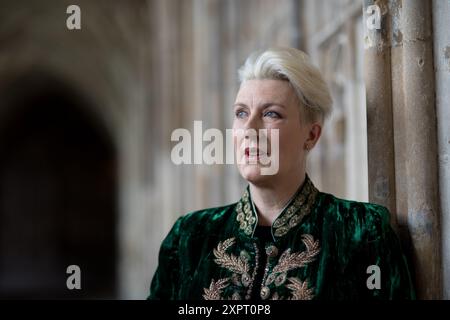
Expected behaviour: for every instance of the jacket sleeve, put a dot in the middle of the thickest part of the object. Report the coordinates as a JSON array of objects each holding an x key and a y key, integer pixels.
[
  {"x": 164, "y": 285},
  {"x": 383, "y": 252}
]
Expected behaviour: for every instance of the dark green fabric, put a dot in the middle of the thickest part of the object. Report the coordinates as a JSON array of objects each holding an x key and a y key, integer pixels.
[{"x": 352, "y": 236}]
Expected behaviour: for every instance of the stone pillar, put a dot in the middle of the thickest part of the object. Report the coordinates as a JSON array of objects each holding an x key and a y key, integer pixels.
[
  {"x": 380, "y": 142},
  {"x": 400, "y": 89},
  {"x": 441, "y": 25},
  {"x": 421, "y": 147}
]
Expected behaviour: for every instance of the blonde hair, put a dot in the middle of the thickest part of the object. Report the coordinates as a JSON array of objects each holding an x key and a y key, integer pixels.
[{"x": 294, "y": 66}]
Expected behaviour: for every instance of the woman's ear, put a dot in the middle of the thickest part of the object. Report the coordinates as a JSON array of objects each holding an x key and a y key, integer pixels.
[{"x": 315, "y": 130}]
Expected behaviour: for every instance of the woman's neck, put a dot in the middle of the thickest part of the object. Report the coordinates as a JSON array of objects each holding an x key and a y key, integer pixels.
[{"x": 270, "y": 200}]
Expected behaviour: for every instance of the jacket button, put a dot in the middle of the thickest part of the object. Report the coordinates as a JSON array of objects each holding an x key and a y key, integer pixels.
[
  {"x": 265, "y": 292},
  {"x": 272, "y": 251}
]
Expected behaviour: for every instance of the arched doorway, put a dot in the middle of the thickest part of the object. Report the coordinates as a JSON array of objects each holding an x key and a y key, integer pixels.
[{"x": 57, "y": 195}]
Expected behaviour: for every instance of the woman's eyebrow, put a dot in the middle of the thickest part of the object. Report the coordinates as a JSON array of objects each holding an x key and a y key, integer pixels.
[
  {"x": 269, "y": 104},
  {"x": 240, "y": 105},
  {"x": 262, "y": 106}
]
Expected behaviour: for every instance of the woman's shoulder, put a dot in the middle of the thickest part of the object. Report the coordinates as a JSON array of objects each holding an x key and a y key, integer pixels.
[
  {"x": 205, "y": 220},
  {"x": 346, "y": 208},
  {"x": 356, "y": 217}
]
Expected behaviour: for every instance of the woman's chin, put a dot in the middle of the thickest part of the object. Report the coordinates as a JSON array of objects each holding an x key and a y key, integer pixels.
[{"x": 252, "y": 173}]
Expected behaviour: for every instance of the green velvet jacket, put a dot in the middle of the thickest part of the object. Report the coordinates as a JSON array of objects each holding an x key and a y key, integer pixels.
[{"x": 319, "y": 247}]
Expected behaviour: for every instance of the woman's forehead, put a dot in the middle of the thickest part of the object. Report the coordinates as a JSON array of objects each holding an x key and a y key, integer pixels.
[{"x": 264, "y": 91}]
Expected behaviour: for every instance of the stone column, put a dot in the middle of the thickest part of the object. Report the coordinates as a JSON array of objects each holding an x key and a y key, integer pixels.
[
  {"x": 421, "y": 147},
  {"x": 380, "y": 137},
  {"x": 441, "y": 25}
]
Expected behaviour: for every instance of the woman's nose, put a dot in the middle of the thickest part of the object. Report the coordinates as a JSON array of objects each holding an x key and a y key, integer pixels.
[
  {"x": 253, "y": 123},
  {"x": 252, "y": 127}
]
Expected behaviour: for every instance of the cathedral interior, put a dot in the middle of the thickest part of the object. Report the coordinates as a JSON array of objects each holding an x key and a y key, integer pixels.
[{"x": 86, "y": 116}]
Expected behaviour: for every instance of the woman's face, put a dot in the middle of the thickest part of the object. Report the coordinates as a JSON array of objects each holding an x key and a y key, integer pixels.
[{"x": 269, "y": 104}]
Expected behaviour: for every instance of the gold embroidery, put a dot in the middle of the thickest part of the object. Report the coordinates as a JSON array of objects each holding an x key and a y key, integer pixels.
[
  {"x": 241, "y": 278},
  {"x": 271, "y": 251},
  {"x": 265, "y": 292},
  {"x": 238, "y": 265},
  {"x": 229, "y": 261},
  {"x": 280, "y": 279},
  {"x": 289, "y": 261},
  {"x": 215, "y": 289},
  {"x": 299, "y": 207},
  {"x": 250, "y": 288},
  {"x": 245, "y": 215},
  {"x": 299, "y": 290},
  {"x": 295, "y": 214}
]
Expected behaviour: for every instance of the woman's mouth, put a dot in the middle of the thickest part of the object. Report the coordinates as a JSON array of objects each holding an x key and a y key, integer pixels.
[{"x": 253, "y": 153}]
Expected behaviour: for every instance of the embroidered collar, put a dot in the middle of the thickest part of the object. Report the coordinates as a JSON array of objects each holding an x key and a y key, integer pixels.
[{"x": 298, "y": 207}]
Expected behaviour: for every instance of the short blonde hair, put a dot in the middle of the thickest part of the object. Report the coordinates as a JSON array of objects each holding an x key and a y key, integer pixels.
[{"x": 294, "y": 66}]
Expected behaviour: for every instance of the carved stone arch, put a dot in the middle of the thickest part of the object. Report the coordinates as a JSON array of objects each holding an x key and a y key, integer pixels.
[{"x": 58, "y": 186}]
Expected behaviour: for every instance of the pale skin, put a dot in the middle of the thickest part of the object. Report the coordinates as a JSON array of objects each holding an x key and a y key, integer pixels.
[{"x": 273, "y": 104}]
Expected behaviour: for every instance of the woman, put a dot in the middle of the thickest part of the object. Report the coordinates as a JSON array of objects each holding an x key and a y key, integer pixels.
[{"x": 284, "y": 239}]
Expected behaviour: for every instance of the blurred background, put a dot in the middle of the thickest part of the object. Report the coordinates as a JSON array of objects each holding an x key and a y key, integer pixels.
[{"x": 86, "y": 118}]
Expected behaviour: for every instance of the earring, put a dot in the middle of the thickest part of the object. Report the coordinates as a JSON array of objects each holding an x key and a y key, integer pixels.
[{"x": 307, "y": 147}]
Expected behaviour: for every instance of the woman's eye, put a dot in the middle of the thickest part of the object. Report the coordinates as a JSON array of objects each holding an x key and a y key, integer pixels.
[
  {"x": 241, "y": 114},
  {"x": 272, "y": 114}
]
